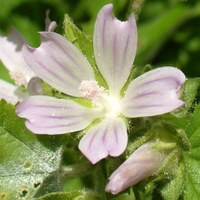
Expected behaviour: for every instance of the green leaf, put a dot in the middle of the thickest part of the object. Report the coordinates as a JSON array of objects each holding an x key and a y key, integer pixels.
[
  {"x": 29, "y": 163},
  {"x": 73, "y": 195},
  {"x": 192, "y": 191},
  {"x": 192, "y": 157}
]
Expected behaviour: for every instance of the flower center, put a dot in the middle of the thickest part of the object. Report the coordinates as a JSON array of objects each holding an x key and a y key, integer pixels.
[{"x": 110, "y": 105}]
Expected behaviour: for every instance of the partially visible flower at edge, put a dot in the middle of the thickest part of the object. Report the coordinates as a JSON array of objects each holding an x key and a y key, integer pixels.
[
  {"x": 144, "y": 162},
  {"x": 12, "y": 58},
  {"x": 7, "y": 92},
  {"x": 62, "y": 65}
]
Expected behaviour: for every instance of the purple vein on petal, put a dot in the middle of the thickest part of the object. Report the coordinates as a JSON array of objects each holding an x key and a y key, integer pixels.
[
  {"x": 105, "y": 132},
  {"x": 44, "y": 66},
  {"x": 28, "y": 107},
  {"x": 114, "y": 50},
  {"x": 112, "y": 40},
  {"x": 143, "y": 94},
  {"x": 147, "y": 106},
  {"x": 57, "y": 117},
  {"x": 42, "y": 112},
  {"x": 126, "y": 47},
  {"x": 61, "y": 66},
  {"x": 65, "y": 70},
  {"x": 71, "y": 58},
  {"x": 103, "y": 34},
  {"x": 153, "y": 93},
  {"x": 91, "y": 141},
  {"x": 59, "y": 63},
  {"x": 161, "y": 79},
  {"x": 109, "y": 137},
  {"x": 115, "y": 134},
  {"x": 50, "y": 71},
  {"x": 48, "y": 125}
]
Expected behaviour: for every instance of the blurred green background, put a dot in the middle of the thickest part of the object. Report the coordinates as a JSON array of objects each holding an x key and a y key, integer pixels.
[{"x": 169, "y": 31}]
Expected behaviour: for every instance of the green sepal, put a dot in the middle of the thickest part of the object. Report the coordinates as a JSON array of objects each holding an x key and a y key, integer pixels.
[
  {"x": 175, "y": 187},
  {"x": 190, "y": 96}
]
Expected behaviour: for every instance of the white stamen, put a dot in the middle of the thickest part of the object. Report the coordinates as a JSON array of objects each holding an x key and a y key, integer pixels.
[
  {"x": 90, "y": 89},
  {"x": 110, "y": 105},
  {"x": 19, "y": 77}
]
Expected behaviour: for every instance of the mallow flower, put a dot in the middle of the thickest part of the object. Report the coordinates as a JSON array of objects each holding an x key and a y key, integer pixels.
[
  {"x": 65, "y": 68},
  {"x": 144, "y": 162},
  {"x": 12, "y": 58}
]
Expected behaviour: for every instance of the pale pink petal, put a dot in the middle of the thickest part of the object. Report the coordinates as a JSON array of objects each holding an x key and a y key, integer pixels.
[
  {"x": 59, "y": 63},
  {"x": 11, "y": 57},
  {"x": 115, "y": 45},
  {"x": 153, "y": 93},
  {"x": 106, "y": 138},
  {"x": 144, "y": 162},
  {"x": 7, "y": 92},
  {"x": 49, "y": 115}
]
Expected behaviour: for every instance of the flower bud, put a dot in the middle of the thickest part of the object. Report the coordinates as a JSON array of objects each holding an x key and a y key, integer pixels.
[
  {"x": 144, "y": 162},
  {"x": 35, "y": 86}
]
